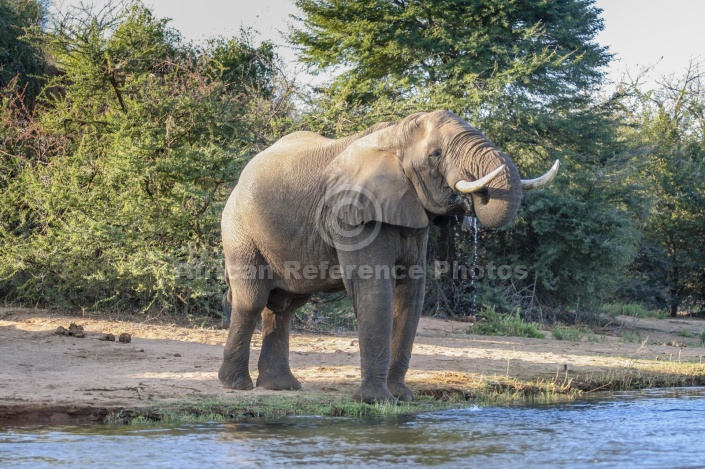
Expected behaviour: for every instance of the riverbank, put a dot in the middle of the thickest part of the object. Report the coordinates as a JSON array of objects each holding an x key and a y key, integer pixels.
[{"x": 168, "y": 371}]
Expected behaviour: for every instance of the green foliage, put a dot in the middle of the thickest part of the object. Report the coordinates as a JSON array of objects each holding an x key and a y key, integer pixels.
[
  {"x": 574, "y": 334},
  {"x": 667, "y": 134},
  {"x": 243, "y": 67},
  {"x": 508, "y": 325},
  {"x": 575, "y": 250},
  {"x": 630, "y": 337},
  {"x": 22, "y": 61},
  {"x": 626, "y": 309},
  {"x": 527, "y": 74},
  {"x": 460, "y": 50},
  {"x": 116, "y": 159},
  {"x": 121, "y": 210}
]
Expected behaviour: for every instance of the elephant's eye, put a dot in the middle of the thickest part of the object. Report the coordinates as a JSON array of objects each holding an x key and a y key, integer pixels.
[{"x": 435, "y": 153}]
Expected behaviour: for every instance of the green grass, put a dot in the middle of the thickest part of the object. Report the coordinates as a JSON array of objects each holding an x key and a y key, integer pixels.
[
  {"x": 461, "y": 392},
  {"x": 273, "y": 407},
  {"x": 575, "y": 334},
  {"x": 630, "y": 337},
  {"x": 495, "y": 390},
  {"x": 628, "y": 309},
  {"x": 508, "y": 325}
]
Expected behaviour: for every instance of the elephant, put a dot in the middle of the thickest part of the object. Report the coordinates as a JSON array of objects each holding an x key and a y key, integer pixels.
[{"x": 312, "y": 214}]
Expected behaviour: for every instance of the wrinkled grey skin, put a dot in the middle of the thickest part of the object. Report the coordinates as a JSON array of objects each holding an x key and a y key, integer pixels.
[{"x": 285, "y": 208}]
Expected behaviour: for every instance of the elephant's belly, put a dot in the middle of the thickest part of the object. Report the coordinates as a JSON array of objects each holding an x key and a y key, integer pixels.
[
  {"x": 301, "y": 265},
  {"x": 309, "y": 277}
]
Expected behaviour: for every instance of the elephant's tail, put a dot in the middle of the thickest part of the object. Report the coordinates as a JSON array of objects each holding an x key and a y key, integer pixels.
[
  {"x": 227, "y": 301},
  {"x": 227, "y": 306}
]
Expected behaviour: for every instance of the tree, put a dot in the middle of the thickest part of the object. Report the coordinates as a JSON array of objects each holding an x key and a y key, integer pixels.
[
  {"x": 123, "y": 212},
  {"x": 22, "y": 60},
  {"x": 667, "y": 135},
  {"x": 242, "y": 65},
  {"x": 404, "y": 46},
  {"x": 526, "y": 73}
]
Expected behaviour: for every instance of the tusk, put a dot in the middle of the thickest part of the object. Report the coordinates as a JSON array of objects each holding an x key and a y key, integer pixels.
[
  {"x": 539, "y": 182},
  {"x": 472, "y": 186}
]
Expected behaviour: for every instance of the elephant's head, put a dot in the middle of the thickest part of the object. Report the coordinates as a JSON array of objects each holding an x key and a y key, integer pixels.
[{"x": 429, "y": 164}]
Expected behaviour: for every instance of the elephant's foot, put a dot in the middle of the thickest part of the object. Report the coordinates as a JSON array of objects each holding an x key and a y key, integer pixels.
[
  {"x": 401, "y": 391},
  {"x": 371, "y": 394},
  {"x": 277, "y": 381},
  {"x": 235, "y": 380}
]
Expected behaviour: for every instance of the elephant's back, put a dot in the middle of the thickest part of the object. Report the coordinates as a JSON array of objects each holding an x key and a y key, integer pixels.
[
  {"x": 286, "y": 172},
  {"x": 281, "y": 188},
  {"x": 275, "y": 200}
]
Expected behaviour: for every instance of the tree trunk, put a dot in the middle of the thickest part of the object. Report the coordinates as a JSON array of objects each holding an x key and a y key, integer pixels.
[
  {"x": 673, "y": 306},
  {"x": 674, "y": 300}
]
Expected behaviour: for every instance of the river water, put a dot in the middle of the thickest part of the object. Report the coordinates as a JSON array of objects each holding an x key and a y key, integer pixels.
[{"x": 653, "y": 428}]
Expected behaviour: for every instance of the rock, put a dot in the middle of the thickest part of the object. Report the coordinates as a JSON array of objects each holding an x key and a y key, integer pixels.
[{"x": 74, "y": 330}]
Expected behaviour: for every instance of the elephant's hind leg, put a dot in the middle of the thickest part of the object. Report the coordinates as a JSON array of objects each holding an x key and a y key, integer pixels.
[
  {"x": 274, "y": 370},
  {"x": 247, "y": 303}
]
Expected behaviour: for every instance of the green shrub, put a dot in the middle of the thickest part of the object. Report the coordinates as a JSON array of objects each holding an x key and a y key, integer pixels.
[
  {"x": 630, "y": 337},
  {"x": 628, "y": 309},
  {"x": 111, "y": 194},
  {"x": 573, "y": 334},
  {"x": 509, "y": 325}
]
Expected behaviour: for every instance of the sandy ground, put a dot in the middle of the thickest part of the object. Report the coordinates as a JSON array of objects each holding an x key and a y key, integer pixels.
[{"x": 70, "y": 376}]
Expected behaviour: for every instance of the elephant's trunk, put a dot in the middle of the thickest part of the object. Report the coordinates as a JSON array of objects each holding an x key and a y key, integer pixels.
[
  {"x": 492, "y": 202},
  {"x": 498, "y": 202},
  {"x": 487, "y": 175}
]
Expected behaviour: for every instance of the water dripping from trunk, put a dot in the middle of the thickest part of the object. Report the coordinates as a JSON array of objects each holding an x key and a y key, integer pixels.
[{"x": 470, "y": 225}]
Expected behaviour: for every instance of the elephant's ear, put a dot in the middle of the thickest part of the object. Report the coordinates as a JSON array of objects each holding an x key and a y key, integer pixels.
[{"x": 368, "y": 184}]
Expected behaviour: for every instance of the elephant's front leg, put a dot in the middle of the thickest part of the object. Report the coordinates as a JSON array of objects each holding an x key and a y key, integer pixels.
[
  {"x": 372, "y": 300},
  {"x": 408, "y": 302}
]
